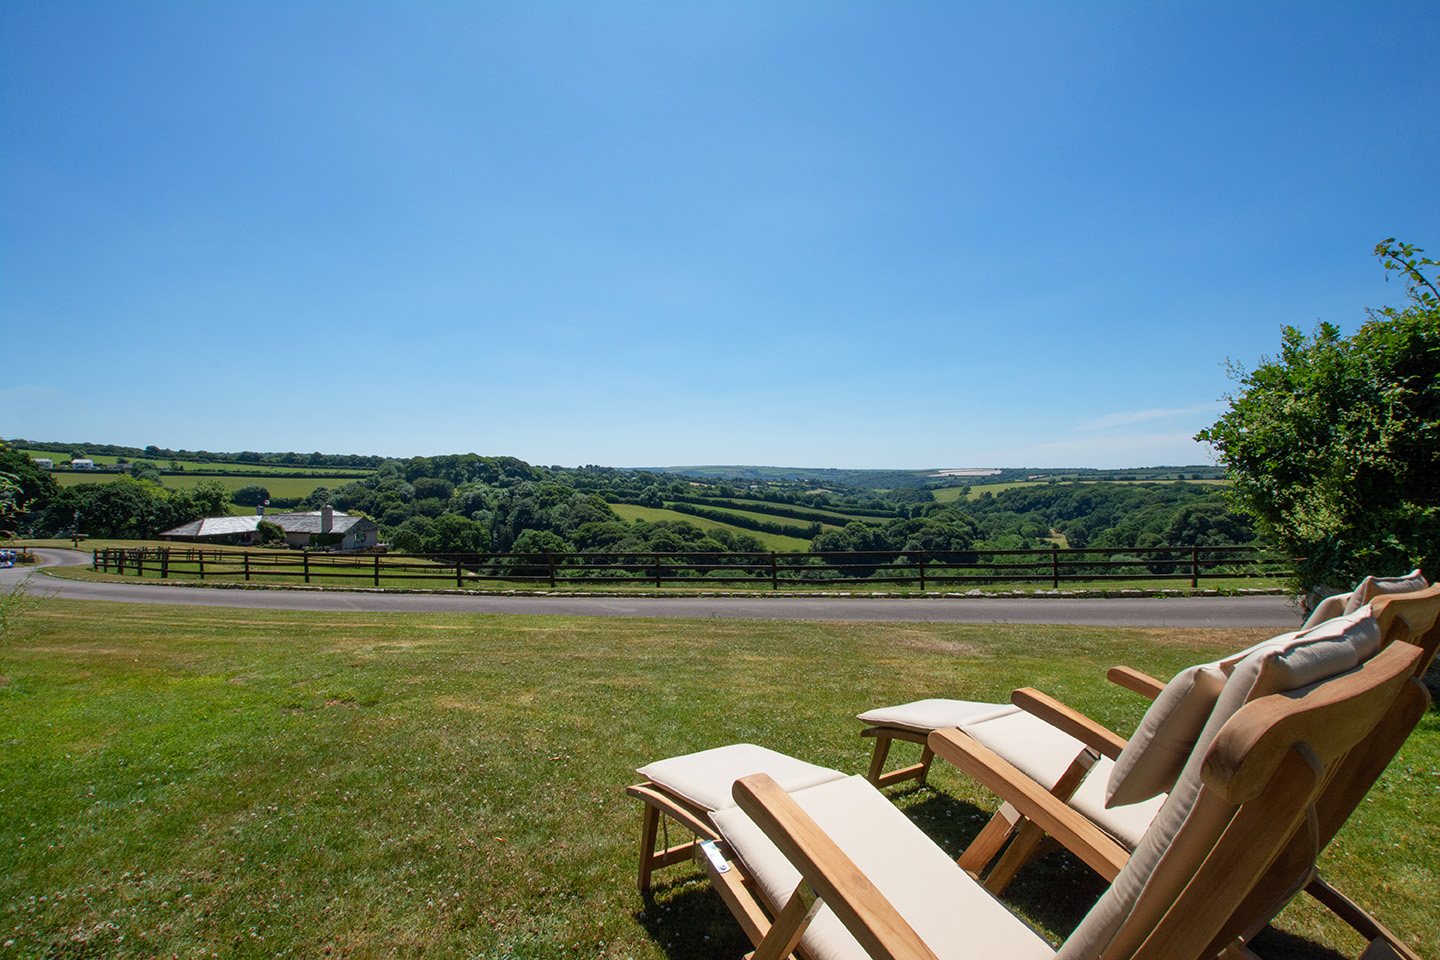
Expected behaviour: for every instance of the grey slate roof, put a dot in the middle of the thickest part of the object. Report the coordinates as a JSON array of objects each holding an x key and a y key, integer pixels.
[
  {"x": 307, "y": 522},
  {"x": 214, "y": 527}
]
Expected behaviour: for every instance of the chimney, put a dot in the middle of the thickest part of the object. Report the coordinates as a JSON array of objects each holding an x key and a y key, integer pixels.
[
  {"x": 327, "y": 518},
  {"x": 260, "y": 510}
]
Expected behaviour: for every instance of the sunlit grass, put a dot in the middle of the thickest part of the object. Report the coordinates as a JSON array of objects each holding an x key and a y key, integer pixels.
[{"x": 259, "y": 783}]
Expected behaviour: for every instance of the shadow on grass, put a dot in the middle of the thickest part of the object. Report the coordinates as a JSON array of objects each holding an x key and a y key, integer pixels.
[
  {"x": 687, "y": 918},
  {"x": 1272, "y": 944}
]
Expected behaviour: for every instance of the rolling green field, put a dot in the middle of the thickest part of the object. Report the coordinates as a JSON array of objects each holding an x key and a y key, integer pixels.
[
  {"x": 278, "y": 486},
  {"x": 257, "y": 783},
  {"x": 767, "y": 517},
  {"x": 773, "y": 541},
  {"x": 951, "y": 494},
  {"x": 254, "y": 469},
  {"x": 829, "y": 517}
]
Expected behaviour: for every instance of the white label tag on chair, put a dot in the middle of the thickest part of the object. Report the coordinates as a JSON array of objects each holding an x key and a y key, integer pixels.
[{"x": 713, "y": 853}]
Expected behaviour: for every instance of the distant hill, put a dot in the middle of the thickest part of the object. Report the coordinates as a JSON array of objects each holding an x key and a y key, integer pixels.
[{"x": 937, "y": 476}]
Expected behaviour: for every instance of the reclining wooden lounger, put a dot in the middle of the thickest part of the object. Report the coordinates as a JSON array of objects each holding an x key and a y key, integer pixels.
[
  {"x": 687, "y": 789},
  {"x": 838, "y": 872},
  {"x": 1051, "y": 756},
  {"x": 1071, "y": 755},
  {"x": 1398, "y": 618}
]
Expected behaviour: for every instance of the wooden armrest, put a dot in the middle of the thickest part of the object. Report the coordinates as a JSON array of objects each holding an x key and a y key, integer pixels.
[
  {"x": 1132, "y": 679},
  {"x": 1069, "y": 720},
  {"x": 1098, "y": 849},
  {"x": 870, "y": 918}
]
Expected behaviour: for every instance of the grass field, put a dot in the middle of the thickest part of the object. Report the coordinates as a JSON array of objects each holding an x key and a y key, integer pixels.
[
  {"x": 951, "y": 494},
  {"x": 827, "y": 517},
  {"x": 773, "y": 541},
  {"x": 278, "y": 486},
  {"x": 771, "y": 518},
  {"x": 251, "y": 783},
  {"x": 257, "y": 469}
]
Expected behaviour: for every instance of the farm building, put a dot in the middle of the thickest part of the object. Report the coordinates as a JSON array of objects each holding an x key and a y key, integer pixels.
[
  {"x": 313, "y": 528},
  {"x": 82, "y": 463}
]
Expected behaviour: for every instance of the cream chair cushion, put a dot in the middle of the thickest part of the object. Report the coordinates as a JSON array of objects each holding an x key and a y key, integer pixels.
[
  {"x": 952, "y": 913},
  {"x": 922, "y": 716},
  {"x": 1367, "y": 590},
  {"x": 1037, "y": 749},
  {"x": 705, "y": 778},
  {"x": 1166, "y": 737},
  {"x": 1157, "y": 751},
  {"x": 1127, "y": 822}
]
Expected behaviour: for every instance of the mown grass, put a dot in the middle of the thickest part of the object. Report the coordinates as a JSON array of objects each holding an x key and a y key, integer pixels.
[{"x": 265, "y": 783}]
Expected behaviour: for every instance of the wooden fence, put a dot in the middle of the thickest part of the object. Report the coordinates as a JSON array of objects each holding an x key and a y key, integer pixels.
[{"x": 813, "y": 570}]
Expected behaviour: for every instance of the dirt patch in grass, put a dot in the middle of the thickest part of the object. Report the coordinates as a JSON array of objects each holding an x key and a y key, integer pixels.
[
  {"x": 1227, "y": 639},
  {"x": 921, "y": 642}
]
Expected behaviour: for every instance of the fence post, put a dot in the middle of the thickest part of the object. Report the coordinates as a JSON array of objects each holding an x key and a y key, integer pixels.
[
  {"x": 774, "y": 572},
  {"x": 306, "y": 564},
  {"x": 458, "y": 568},
  {"x": 200, "y": 556},
  {"x": 921, "y": 558},
  {"x": 1055, "y": 566},
  {"x": 247, "y": 567},
  {"x": 165, "y": 563},
  {"x": 95, "y": 560},
  {"x": 550, "y": 557},
  {"x": 377, "y": 569},
  {"x": 1195, "y": 567},
  {"x": 657, "y": 571},
  {"x": 140, "y": 563}
]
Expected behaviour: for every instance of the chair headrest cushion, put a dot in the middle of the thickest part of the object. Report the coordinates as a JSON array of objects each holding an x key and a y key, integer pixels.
[{"x": 1155, "y": 755}]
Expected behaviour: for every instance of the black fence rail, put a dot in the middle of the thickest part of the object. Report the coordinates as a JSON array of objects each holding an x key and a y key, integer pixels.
[{"x": 927, "y": 569}]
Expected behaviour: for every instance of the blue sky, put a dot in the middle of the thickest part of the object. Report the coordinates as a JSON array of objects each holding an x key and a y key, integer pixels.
[{"x": 651, "y": 234}]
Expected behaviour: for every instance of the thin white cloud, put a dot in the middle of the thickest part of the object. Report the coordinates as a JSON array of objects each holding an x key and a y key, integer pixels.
[
  {"x": 1126, "y": 418},
  {"x": 1109, "y": 452}
]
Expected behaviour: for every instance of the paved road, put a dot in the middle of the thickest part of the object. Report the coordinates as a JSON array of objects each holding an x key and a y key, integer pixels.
[{"x": 1258, "y": 611}]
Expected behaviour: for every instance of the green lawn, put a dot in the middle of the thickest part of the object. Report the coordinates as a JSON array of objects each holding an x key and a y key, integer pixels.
[
  {"x": 773, "y": 541},
  {"x": 253, "y": 783}
]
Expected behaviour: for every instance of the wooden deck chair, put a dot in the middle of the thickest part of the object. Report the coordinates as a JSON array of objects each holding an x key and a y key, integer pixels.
[
  {"x": 838, "y": 872},
  {"x": 685, "y": 790},
  {"x": 1411, "y": 619},
  {"x": 1074, "y": 757},
  {"x": 1050, "y": 755}
]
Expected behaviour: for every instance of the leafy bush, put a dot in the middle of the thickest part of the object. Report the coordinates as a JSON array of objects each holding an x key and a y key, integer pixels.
[
  {"x": 1333, "y": 446},
  {"x": 251, "y": 495}
]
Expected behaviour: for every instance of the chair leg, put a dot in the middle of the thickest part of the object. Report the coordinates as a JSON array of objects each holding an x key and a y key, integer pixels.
[
  {"x": 877, "y": 758},
  {"x": 649, "y": 826},
  {"x": 926, "y": 756},
  {"x": 883, "y": 739},
  {"x": 989, "y": 840},
  {"x": 1022, "y": 850}
]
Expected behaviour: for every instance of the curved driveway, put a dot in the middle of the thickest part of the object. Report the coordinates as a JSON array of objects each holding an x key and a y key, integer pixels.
[{"x": 1251, "y": 611}]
